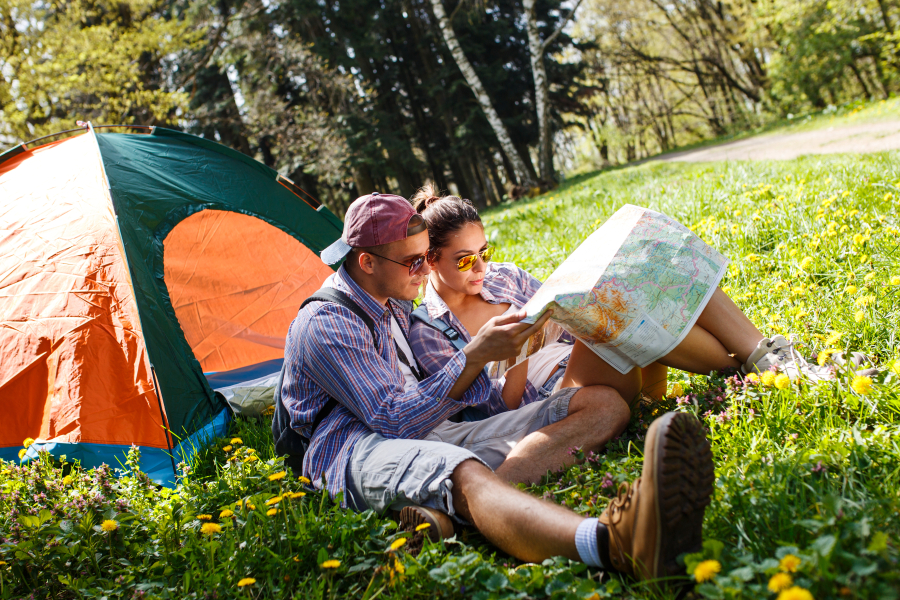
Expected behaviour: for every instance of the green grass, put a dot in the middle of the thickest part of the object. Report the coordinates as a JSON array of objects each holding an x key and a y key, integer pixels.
[{"x": 812, "y": 472}]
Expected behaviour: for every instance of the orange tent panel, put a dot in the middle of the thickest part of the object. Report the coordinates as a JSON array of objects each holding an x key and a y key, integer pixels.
[
  {"x": 74, "y": 359},
  {"x": 236, "y": 283}
]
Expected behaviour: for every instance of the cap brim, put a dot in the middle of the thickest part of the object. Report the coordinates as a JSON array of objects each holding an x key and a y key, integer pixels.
[{"x": 335, "y": 252}]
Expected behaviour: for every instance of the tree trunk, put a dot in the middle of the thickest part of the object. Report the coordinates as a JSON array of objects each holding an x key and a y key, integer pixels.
[
  {"x": 541, "y": 93},
  {"x": 481, "y": 95}
]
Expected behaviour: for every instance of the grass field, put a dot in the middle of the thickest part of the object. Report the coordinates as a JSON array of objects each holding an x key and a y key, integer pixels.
[{"x": 808, "y": 478}]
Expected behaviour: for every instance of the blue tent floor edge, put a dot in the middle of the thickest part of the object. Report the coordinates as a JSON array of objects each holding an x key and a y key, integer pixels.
[{"x": 155, "y": 462}]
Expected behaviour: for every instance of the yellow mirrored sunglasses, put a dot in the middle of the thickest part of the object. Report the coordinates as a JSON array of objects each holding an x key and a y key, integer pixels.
[{"x": 467, "y": 262}]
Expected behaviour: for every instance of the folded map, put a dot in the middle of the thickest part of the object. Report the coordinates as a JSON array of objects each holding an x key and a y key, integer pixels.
[{"x": 633, "y": 289}]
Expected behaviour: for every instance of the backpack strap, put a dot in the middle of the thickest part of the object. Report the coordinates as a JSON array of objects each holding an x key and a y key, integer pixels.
[
  {"x": 289, "y": 443},
  {"x": 339, "y": 297},
  {"x": 421, "y": 314}
]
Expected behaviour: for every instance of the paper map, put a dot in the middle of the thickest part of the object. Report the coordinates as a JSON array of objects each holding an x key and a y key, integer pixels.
[{"x": 633, "y": 289}]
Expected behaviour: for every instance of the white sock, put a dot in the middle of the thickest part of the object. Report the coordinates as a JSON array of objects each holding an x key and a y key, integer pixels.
[{"x": 586, "y": 543}]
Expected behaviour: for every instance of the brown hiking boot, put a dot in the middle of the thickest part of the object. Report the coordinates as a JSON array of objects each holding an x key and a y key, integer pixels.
[
  {"x": 660, "y": 515},
  {"x": 440, "y": 525}
]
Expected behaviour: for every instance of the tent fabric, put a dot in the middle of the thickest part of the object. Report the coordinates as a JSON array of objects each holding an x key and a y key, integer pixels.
[
  {"x": 235, "y": 283},
  {"x": 69, "y": 324},
  {"x": 97, "y": 351},
  {"x": 158, "y": 180}
]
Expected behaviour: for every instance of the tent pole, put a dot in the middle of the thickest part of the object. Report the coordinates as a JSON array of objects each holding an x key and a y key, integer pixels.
[{"x": 162, "y": 415}]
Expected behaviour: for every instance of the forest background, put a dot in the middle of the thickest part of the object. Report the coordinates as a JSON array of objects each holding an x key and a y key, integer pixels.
[{"x": 350, "y": 96}]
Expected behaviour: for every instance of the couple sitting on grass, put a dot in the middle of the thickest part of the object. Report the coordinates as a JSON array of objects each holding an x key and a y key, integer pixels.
[{"x": 439, "y": 415}]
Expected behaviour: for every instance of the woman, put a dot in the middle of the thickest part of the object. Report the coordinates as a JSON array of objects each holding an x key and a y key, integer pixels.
[{"x": 465, "y": 290}]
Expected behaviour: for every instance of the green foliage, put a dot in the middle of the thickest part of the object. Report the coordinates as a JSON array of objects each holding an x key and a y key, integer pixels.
[
  {"x": 86, "y": 60},
  {"x": 810, "y": 472}
]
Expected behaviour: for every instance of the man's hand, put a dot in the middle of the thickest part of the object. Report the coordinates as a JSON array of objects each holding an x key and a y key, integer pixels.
[{"x": 502, "y": 337}]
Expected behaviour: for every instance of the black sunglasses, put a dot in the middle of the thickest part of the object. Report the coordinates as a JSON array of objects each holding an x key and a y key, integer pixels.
[{"x": 414, "y": 267}]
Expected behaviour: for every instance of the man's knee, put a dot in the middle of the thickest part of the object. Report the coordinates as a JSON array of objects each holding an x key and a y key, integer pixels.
[{"x": 601, "y": 401}]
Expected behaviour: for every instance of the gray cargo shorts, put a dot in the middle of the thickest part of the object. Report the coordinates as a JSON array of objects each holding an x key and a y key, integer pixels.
[{"x": 388, "y": 474}]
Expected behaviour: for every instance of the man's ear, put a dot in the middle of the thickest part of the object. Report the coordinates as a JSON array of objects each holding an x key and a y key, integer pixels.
[{"x": 366, "y": 263}]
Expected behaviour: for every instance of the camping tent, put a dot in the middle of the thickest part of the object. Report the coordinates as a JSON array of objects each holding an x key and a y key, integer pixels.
[{"x": 136, "y": 268}]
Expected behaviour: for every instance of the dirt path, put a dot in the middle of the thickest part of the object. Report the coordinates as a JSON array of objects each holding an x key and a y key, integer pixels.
[{"x": 865, "y": 137}]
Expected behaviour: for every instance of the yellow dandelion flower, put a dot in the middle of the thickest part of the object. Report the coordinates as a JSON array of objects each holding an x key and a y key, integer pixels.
[
  {"x": 423, "y": 526},
  {"x": 895, "y": 367},
  {"x": 274, "y": 500},
  {"x": 2, "y": 563},
  {"x": 109, "y": 525},
  {"x": 303, "y": 480},
  {"x": 295, "y": 495},
  {"x": 250, "y": 450},
  {"x": 782, "y": 381},
  {"x": 850, "y": 290},
  {"x": 795, "y": 593},
  {"x": 824, "y": 355},
  {"x": 210, "y": 528},
  {"x": 27, "y": 442},
  {"x": 228, "y": 448},
  {"x": 752, "y": 377},
  {"x": 858, "y": 239},
  {"x": 226, "y": 513},
  {"x": 397, "y": 544},
  {"x": 806, "y": 262},
  {"x": 398, "y": 567},
  {"x": 861, "y": 384},
  {"x": 67, "y": 480},
  {"x": 236, "y": 442},
  {"x": 834, "y": 338},
  {"x": 789, "y": 563},
  {"x": 251, "y": 506},
  {"x": 22, "y": 453},
  {"x": 246, "y": 581},
  {"x": 271, "y": 512},
  {"x": 277, "y": 476},
  {"x": 676, "y": 391},
  {"x": 767, "y": 378},
  {"x": 331, "y": 564},
  {"x": 895, "y": 280},
  {"x": 251, "y": 458},
  {"x": 859, "y": 316},
  {"x": 888, "y": 196},
  {"x": 780, "y": 582},
  {"x": 205, "y": 517},
  {"x": 707, "y": 570}
]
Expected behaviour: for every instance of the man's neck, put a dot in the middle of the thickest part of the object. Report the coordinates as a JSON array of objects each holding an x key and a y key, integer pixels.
[{"x": 363, "y": 282}]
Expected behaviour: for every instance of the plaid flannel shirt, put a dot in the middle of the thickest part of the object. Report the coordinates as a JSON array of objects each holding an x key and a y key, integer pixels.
[
  {"x": 329, "y": 353},
  {"x": 504, "y": 283}
]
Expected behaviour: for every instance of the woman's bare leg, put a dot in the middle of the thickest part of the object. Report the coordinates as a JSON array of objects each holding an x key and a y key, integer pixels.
[
  {"x": 586, "y": 369},
  {"x": 653, "y": 378},
  {"x": 724, "y": 320},
  {"x": 699, "y": 352}
]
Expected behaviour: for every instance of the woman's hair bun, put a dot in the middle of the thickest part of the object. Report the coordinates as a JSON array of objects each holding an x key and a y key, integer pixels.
[{"x": 427, "y": 195}]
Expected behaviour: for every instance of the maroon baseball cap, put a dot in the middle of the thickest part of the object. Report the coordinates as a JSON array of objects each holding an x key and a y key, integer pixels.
[{"x": 373, "y": 220}]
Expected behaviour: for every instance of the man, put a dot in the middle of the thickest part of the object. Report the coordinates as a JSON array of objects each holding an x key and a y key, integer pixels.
[{"x": 388, "y": 447}]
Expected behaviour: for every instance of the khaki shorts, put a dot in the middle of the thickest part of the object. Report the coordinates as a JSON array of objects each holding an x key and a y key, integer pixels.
[{"x": 386, "y": 474}]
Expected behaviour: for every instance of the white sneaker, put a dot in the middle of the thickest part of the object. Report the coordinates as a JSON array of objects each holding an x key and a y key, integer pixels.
[{"x": 778, "y": 352}]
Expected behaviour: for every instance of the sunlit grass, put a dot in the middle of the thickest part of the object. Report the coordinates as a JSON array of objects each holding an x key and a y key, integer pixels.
[{"x": 807, "y": 471}]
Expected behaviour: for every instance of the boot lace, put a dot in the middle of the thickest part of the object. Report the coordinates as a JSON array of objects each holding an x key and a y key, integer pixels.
[{"x": 616, "y": 511}]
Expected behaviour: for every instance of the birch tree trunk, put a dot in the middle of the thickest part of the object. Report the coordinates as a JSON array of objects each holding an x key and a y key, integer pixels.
[
  {"x": 484, "y": 100},
  {"x": 541, "y": 93}
]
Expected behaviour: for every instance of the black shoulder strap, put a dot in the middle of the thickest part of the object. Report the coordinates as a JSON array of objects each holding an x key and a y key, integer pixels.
[{"x": 339, "y": 297}]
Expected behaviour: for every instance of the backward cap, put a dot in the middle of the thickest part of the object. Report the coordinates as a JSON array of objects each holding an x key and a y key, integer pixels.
[{"x": 371, "y": 220}]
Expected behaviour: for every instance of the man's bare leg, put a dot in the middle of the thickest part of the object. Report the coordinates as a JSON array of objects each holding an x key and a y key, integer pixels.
[
  {"x": 520, "y": 524},
  {"x": 597, "y": 414}
]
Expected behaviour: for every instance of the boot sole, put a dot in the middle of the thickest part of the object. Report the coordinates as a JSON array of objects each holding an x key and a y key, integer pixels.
[
  {"x": 684, "y": 475},
  {"x": 413, "y": 516}
]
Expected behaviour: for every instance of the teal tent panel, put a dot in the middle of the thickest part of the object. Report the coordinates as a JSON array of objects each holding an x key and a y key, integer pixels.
[{"x": 155, "y": 182}]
